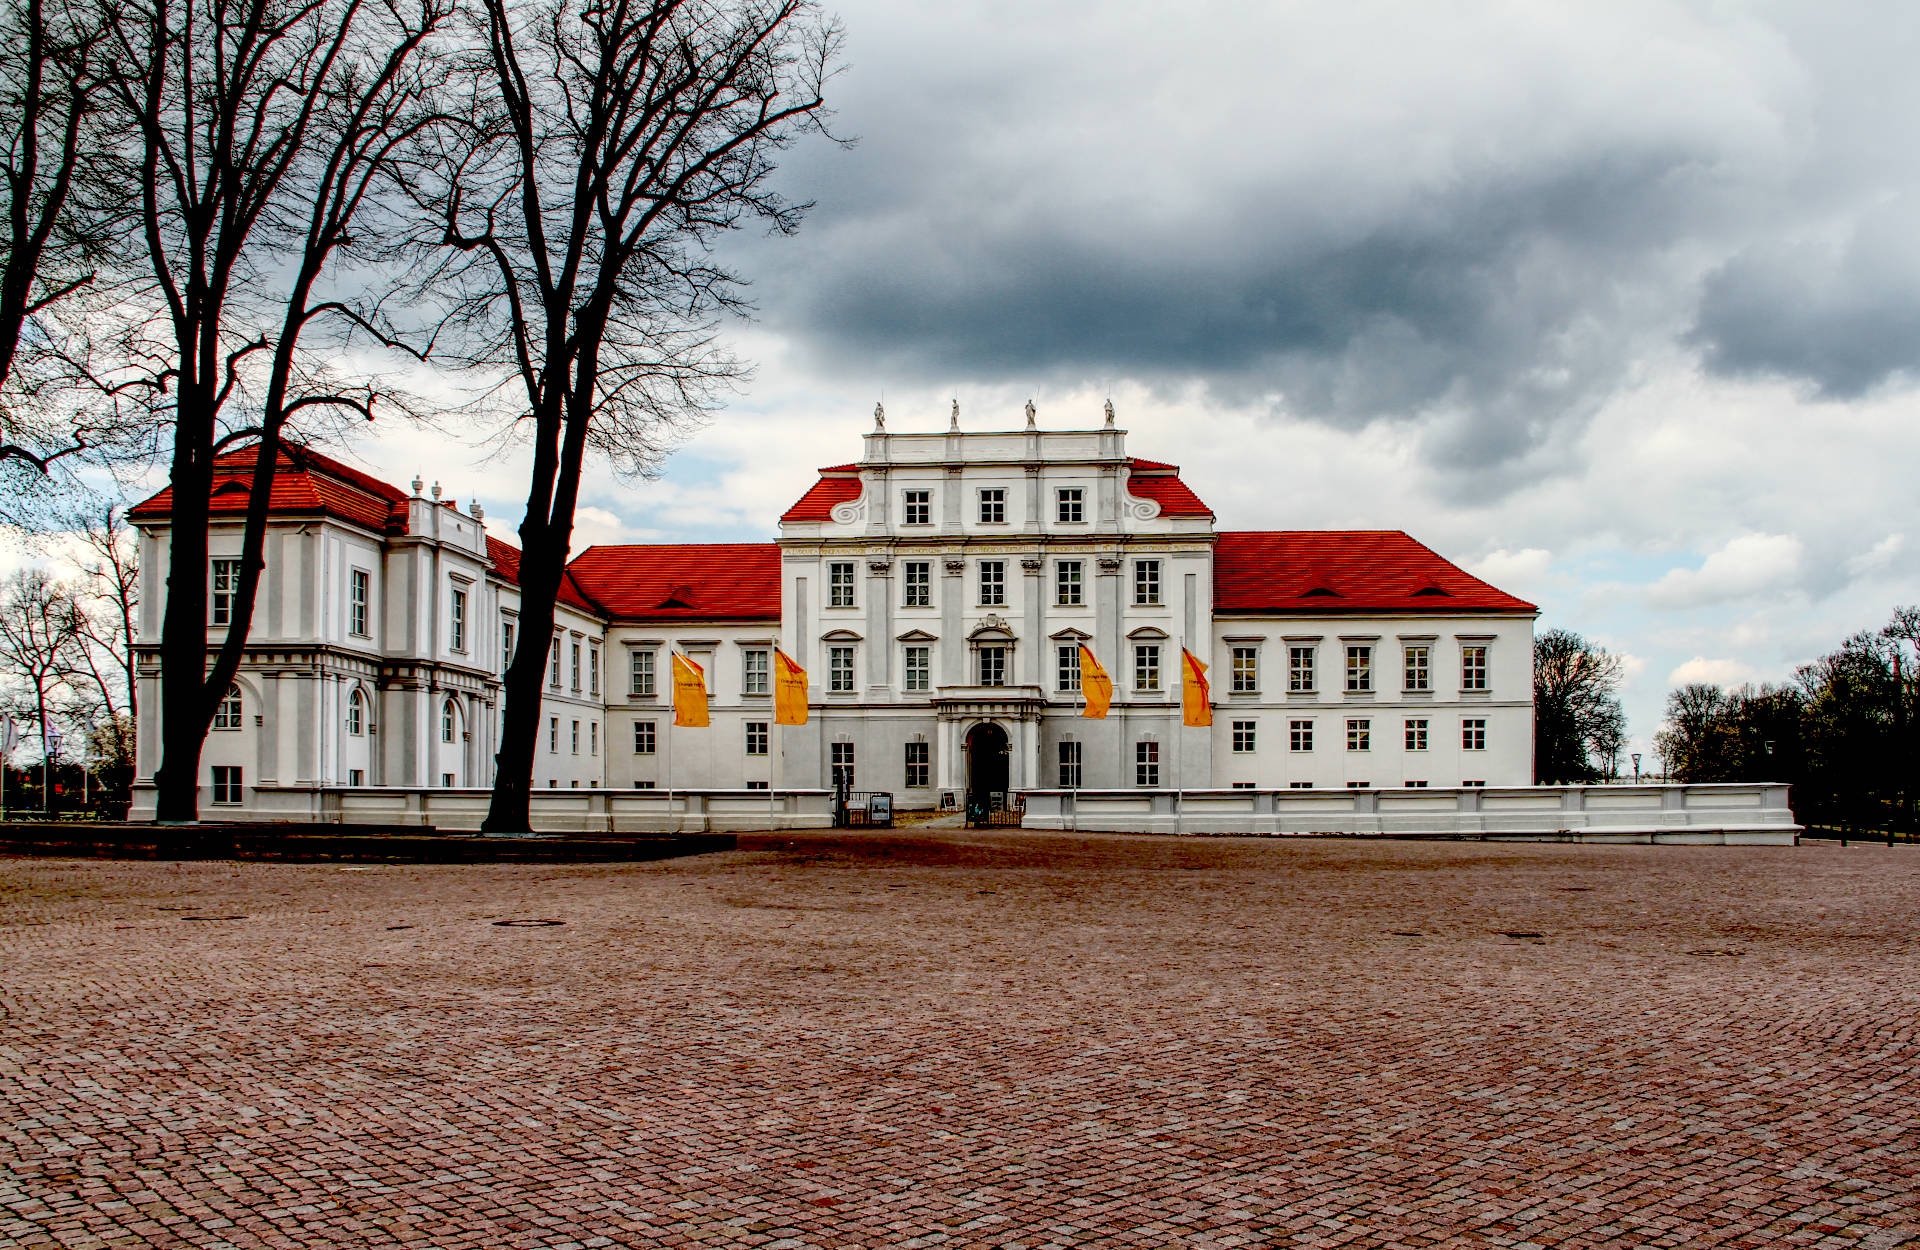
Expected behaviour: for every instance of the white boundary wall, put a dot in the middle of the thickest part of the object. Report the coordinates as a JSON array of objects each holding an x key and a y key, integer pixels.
[
  {"x": 456, "y": 810},
  {"x": 1752, "y": 814}
]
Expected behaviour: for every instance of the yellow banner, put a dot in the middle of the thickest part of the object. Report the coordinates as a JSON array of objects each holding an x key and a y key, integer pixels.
[
  {"x": 789, "y": 690},
  {"x": 689, "y": 693},
  {"x": 1095, "y": 686},
  {"x": 1196, "y": 699}
]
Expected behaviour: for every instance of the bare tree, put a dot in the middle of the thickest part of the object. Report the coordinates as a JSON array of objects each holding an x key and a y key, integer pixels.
[
  {"x": 1576, "y": 708},
  {"x": 263, "y": 132},
  {"x": 608, "y": 146},
  {"x": 54, "y": 235},
  {"x": 109, "y": 593},
  {"x": 39, "y": 623}
]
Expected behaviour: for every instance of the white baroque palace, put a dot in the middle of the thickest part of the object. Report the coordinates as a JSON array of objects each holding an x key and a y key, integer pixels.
[{"x": 937, "y": 591}]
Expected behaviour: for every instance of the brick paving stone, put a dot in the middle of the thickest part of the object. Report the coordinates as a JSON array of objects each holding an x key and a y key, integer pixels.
[{"x": 950, "y": 1039}]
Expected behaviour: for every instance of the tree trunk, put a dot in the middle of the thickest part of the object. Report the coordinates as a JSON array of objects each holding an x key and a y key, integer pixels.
[{"x": 183, "y": 633}]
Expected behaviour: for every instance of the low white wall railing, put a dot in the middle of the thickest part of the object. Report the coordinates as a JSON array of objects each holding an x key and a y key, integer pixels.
[
  {"x": 1751, "y": 813},
  {"x": 551, "y": 811}
]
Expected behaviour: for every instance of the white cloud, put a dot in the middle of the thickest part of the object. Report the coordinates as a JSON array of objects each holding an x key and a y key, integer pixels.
[
  {"x": 1713, "y": 672},
  {"x": 1745, "y": 566},
  {"x": 1513, "y": 570},
  {"x": 1879, "y": 558}
]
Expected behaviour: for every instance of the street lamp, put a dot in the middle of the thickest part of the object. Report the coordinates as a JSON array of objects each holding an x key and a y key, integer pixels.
[{"x": 1636, "y": 768}]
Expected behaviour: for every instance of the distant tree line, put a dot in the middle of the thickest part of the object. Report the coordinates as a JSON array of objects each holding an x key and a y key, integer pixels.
[{"x": 1842, "y": 732}]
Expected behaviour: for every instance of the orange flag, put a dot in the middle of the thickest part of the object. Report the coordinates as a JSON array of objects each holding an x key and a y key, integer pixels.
[
  {"x": 789, "y": 690},
  {"x": 1095, "y": 686},
  {"x": 689, "y": 693},
  {"x": 1196, "y": 699}
]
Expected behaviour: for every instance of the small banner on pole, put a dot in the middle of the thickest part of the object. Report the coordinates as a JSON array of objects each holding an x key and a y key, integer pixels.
[
  {"x": 1196, "y": 699},
  {"x": 789, "y": 690},
  {"x": 689, "y": 693},
  {"x": 1095, "y": 686}
]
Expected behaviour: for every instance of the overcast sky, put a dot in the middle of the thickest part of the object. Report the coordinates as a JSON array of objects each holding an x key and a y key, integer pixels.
[{"x": 1616, "y": 304}]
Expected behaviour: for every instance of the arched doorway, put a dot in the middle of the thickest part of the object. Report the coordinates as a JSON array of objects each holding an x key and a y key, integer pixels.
[{"x": 988, "y": 756}]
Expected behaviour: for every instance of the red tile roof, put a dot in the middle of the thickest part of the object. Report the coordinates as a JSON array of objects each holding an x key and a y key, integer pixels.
[
  {"x": 506, "y": 566},
  {"x": 1343, "y": 572},
  {"x": 838, "y": 484},
  {"x": 304, "y": 483},
  {"x": 1152, "y": 479},
  {"x": 683, "y": 582}
]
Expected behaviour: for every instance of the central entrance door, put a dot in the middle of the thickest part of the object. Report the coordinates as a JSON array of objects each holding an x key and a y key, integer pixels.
[{"x": 988, "y": 755}]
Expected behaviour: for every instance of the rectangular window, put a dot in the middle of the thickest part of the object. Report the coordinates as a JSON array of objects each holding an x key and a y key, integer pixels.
[
  {"x": 1146, "y": 666},
  {"x": 1300, "y": 735},
  {"x": 919, "y": 668},
  {"x": 1472, "y": 785},
  {"x": 1246, "y": 670},
  {"x": 226, "y": 581},
  {"x": 1300, "y": 670},
  {"x": 919, "y": 765},
  {"x": 757, "y": 785},
  {"x": 576, "y": 668},
  {"x": 1359, "y": 668},
  {"x": 755, "y": 676},
  {"x": 576, "y": 737},
  {"x": 840, "y": 670},
  {"x": 1068, "y": 666},
  {"x": 993, "y": 583},
  {"x": 593, "y": 736},
  {"x": 1243, "y": 785},
  {"x": 1069, "y": 765},
  {"x": 642, "y": 686},
  {"x": 1473, "y": 735},
  {"x": 593, "y": 668},
  {"x": 917, "y": 508},
  {"x": 1146, "y": 765},
  {"x": 458, "y": 619},
  {"x": 359, "y": 588},
  {"x": 993, "y": 506},
  {"x": 506, "y": 645},
  {"x": 1414, "y": 785},
  {"x": 840, "y": 584},
  {"x": 553, "y": 735},
  {"x": 643, "y": 737},
  {"x": 918, "y": 584},
  {"x": 1243, "y": 739},
  {"x": 1416, "y": 735},
  {"x": 1418, "y": 672},
  {"x": 553, "y": 666},
  {"x": 356, "y": 776},
  {"x": 1070, "y": 505},
  {"x": 226, "y": 783},
  {"x": 993, "y": 666},
  {"x": 1146, "y": 582},
  {"x": 1299, "y": 785},
  {"x": 643, "y": 785},
  {"x": 1359, "y": 735},
  {"x": 1068, "y": 584},
  {"x": 1473, "y": 668},
  {"x": 842, "y": 761},
  {"x": 756, "y": 737},
  {"x": 1359, "y": 785}
]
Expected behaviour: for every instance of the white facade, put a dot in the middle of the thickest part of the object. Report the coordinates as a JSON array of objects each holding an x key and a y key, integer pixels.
[{"x": 937, "y": 593}]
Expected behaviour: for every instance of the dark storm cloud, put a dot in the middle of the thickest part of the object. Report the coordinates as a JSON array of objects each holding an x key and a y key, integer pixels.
[
  {"x": 1481, "y": 223},
  {"x": 1844, "y": 318}
]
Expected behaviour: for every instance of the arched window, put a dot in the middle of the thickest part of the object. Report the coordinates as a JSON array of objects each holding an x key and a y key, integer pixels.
[
  {"x": 449, "y": 715},
  {"x": 356, "y": 714},
  {"x": 226, "y": 715}
]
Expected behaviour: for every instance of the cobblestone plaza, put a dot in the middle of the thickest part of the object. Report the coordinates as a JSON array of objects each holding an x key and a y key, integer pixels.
[{"x": 937, "y": 1038}]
